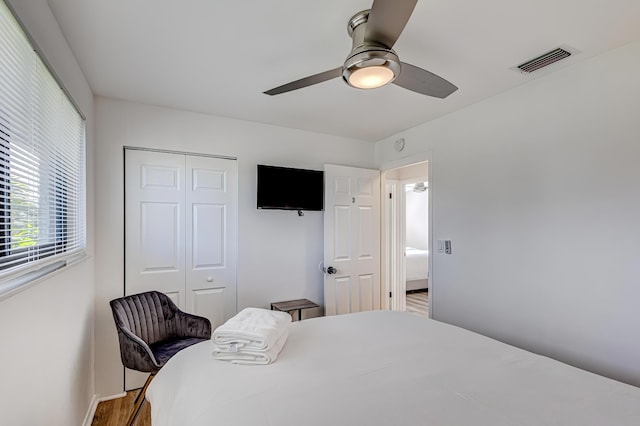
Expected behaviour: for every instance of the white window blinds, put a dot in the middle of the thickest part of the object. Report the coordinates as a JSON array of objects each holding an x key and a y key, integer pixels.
[{"x": 42, "y": 159}]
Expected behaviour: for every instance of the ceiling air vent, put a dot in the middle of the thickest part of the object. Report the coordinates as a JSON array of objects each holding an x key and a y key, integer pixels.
[{"x": 544, "y": 60}]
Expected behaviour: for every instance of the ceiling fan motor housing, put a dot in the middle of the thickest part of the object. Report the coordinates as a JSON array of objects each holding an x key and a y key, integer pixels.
[{"x": 363, "y": 54}]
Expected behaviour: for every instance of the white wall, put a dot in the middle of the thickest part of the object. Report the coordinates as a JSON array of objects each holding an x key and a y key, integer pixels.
[
  {"x": 417, "y": 215},
  {"x": 279, "y": 252},
  {"x": 46, "y": 357},
  {"x": 538, "y": 190}
]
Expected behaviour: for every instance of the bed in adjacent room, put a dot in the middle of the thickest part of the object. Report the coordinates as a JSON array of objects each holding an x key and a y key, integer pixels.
[
  {"x": 386, "y": 368},
  {"x": 417, "y": 268}
]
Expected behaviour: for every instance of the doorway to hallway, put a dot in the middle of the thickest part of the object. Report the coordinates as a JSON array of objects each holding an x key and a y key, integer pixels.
[{"x": 407, "y": 237}]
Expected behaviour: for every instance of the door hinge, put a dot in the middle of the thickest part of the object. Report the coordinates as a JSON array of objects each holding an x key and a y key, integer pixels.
[
  {"x": 390, "y": 195},
  {"x": 389, "y": 294}
]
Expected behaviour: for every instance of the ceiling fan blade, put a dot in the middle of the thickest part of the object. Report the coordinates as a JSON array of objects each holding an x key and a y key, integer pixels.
[
  {"x": 304, "y": 82},
  {"x": 387, "y": 19},
  {"x": 422, "y": 81}
]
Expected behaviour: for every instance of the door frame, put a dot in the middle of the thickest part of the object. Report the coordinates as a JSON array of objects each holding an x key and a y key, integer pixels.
[
  {"x": 389, "y": 245},
  {"x": 395, "y": 230}
]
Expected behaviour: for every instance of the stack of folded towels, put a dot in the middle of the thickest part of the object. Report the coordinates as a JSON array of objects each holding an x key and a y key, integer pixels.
[{"x": 253, "y": 336}]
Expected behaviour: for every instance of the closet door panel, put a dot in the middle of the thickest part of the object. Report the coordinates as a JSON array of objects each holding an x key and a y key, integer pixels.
[
  {"x": 154, "y": 223},
  {"x": 154, "y": 230},
  {"x": 210, "y": 303},
  {"x": 209, "y": 241},
  {"x": 211, "y": 244}
]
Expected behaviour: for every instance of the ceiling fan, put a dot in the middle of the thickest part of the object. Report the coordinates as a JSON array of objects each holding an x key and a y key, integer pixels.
[{"x": 372, "y": 62}]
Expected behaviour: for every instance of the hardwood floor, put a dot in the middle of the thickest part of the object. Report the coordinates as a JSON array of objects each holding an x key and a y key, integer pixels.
[
  {"x": 115, "y": 412},
  {"x": 418, "y": 303}
]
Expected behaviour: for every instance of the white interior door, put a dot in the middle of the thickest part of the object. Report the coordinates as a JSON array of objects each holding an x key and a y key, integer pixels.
[
  {"x": 181, "y": 233},
  {"x": 211, "y": 203},
  {"x": 351, "y": 239}
]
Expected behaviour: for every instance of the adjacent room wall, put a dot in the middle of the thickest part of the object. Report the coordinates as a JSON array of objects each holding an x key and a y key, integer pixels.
[
  {"x": 279, "y": 252},
  {"x": 46, "y": 360},
  {"x": 538, "y": 190},
  {"x": 417, "y": 220}
]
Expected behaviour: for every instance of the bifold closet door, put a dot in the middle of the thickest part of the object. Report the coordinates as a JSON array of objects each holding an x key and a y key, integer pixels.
[{"x": 181, "y": 233}]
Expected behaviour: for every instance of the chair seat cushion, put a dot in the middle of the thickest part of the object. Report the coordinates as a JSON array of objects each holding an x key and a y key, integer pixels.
[{"x": 165, "y": 349}]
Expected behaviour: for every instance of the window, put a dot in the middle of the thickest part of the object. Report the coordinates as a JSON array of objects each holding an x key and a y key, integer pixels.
[{"x": 42, "y": 166}]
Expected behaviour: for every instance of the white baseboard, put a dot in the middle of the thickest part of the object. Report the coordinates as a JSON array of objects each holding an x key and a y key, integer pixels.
[{"x": 88, "y": 418}]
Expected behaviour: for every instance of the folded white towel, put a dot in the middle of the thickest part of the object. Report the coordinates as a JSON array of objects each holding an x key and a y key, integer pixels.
[
  {"x": 252, "y": 357},
  {"x": 252, "y": 329}
]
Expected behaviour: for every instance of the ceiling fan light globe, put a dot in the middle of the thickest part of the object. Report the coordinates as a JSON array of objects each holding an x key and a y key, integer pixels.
[
  {"x": 370, "y": 67},
  {"x": 371, "y": 77}
]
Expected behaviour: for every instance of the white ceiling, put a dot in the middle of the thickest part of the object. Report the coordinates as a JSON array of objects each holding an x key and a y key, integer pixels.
[{"x": 218, "y": 56}]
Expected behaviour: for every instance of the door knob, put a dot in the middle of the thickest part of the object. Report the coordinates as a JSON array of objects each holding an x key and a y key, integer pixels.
[
  {"x": 210, "y": 279},
  {"x": 331, "y": 270}
]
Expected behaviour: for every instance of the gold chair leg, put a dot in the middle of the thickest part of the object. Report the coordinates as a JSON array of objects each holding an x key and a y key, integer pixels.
[
  {"x": 138, "y": 397},
  {"x": 139, "y": 401}
]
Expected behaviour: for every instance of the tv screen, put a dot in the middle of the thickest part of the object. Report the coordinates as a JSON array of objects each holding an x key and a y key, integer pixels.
[{"x": 290, "y": 189}]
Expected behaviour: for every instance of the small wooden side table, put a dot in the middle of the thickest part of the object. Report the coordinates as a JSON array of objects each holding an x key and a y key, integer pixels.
[{"x": 293, "y": 305}]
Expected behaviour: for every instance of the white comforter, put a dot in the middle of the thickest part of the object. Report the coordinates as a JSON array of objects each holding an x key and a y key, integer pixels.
[{"x": 386, "y": 368}]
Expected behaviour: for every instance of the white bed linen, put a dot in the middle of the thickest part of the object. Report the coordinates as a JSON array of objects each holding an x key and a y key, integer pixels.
[
  {"x": 386, "y": 368},
  {"x": 416, "y": 264},
  {"x": 253, "y": 336}
]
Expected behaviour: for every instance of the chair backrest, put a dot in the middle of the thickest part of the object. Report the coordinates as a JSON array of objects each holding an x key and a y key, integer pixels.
[{"x": 149, "y": 315}]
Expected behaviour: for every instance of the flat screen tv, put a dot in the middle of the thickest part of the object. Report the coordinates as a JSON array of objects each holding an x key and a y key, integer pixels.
[{"x": 285, "y": 188}]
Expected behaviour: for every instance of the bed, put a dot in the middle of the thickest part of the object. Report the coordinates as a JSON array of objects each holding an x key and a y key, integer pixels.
[
  {"x": 386, "y": 368},
  {"x": 417, "y": 267}
]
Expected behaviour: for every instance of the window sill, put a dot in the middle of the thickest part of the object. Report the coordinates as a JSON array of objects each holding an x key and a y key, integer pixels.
[{"x": 26, "y": 278}]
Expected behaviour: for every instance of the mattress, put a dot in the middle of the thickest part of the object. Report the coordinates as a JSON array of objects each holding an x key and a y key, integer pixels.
[
  {"x": 386, "y": 368},
  {"x": 417, "y": 264}
]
